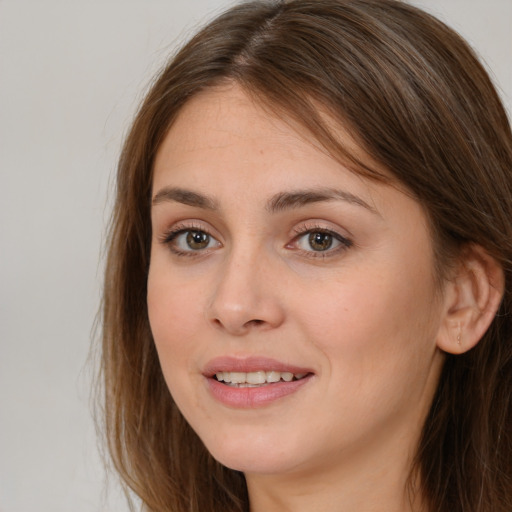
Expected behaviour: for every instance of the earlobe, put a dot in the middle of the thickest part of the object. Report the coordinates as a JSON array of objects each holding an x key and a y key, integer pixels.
[{"x": 471, "y": 301}]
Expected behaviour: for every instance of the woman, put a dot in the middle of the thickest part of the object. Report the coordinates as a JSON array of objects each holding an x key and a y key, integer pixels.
[{"x": 307, "y": 294}]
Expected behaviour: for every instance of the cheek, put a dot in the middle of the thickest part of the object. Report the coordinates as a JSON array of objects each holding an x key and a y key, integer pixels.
[
  {"x": 175, "y": 313},
  {"x": 376, "y": 336},
  {"x": 175, "y": 316},
  {"x": 367, "y": 318}
]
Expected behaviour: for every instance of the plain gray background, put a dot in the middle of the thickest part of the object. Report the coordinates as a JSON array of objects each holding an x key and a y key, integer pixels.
[{"x": 71, "y": 75}]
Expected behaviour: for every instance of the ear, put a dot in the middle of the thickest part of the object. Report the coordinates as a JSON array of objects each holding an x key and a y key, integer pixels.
[{"x": 471, "y": 300}]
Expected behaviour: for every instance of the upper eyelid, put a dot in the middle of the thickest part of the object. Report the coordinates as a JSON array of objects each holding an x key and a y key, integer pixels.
[
  {"x": 187, "y": 225},
  {"x": 324, "y": 226},
  {"x": 338, "y": 236},
  {"x": 307, "y": 227}
]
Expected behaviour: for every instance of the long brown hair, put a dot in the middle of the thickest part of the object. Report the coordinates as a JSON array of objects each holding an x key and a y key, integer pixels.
[{"x": 413, "y": 95}]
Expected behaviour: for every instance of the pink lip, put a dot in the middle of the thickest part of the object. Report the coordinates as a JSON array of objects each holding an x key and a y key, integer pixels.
[
  {"x": 249, "y": 364},
  {"x": 246, "y": 398}
]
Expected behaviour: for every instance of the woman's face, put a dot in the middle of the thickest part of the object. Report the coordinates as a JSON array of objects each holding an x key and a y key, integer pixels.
[{"x": 307, "y": 289}]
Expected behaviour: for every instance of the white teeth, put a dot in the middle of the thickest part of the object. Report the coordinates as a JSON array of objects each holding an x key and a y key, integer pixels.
[
  {"x": 273, "y": 376},
  {"x": 256, "y": 378},
  {"x": 253, "y": 379},
  {"x": 238, "y": 377}
]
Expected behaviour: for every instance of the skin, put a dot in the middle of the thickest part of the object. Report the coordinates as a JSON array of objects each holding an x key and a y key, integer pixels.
[{"x": 364, "y": 317}]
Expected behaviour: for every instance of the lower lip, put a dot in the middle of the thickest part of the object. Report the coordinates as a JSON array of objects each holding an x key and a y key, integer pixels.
[{"x": 247, "y": 398}]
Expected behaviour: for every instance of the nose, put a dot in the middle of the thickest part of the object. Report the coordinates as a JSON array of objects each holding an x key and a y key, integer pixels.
[{"x": 246, "y": 296}]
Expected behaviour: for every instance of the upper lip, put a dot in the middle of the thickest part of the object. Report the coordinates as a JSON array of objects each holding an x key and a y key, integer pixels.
[{"x": 249, "y": 364}]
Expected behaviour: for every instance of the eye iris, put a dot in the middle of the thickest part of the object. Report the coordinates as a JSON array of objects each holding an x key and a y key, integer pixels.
[
  {"x": 197, "y": 240},
  {"x": 320, "y": 241}
]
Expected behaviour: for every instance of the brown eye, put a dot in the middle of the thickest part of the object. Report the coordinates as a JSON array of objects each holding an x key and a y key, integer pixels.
[
  {"x": 191, "y": 241},
  {"x": 319, "y": 241},
  {"x": 197, "y": 240}
]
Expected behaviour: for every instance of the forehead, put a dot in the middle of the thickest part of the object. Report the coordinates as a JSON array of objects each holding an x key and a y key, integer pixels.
[
  {"x": 221, "y": 117},
  {"x": 223, "y": 135},
  {"x": 213, "y": 117}
]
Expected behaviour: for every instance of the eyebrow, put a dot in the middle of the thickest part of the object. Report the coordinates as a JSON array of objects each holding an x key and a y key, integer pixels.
[
  {"x": 187, "y": 197},
  {"x": 290, "y": 200},
  {"x": 278, "y": 203}
]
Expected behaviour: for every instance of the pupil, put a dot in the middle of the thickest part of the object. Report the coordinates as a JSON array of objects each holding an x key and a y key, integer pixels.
[
  {"x": 197, "y": 240},
  {"x": 320, "y": 241}
]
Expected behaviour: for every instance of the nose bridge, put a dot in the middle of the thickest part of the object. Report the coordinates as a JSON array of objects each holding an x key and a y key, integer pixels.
[{"x": 245, "y": 296}]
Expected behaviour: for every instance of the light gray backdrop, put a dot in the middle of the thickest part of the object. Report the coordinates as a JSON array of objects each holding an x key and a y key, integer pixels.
[{"x": 71, "y": 75}]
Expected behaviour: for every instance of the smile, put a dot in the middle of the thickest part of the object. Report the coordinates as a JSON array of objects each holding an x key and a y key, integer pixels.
[
  {"x": 253, "y": 382},
  {"x": 256, "y": 379}
]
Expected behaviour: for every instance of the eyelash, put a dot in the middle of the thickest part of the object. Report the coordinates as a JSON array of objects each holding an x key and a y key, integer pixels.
[
  {"x": 344, "y": 243},
  {"x": 308, "y": 229},
  {"x": 170, "y": 236}
]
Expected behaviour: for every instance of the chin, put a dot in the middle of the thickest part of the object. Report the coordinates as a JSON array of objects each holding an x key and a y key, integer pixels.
[
  {"x": 254, "y": 463},
  {"x": 256, "y": 454}
]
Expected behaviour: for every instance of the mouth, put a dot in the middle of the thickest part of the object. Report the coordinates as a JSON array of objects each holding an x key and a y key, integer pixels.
[
  {"x": 257, "y": 379},
  {"x": 254, "y": 381}
]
